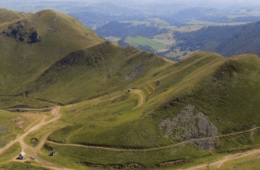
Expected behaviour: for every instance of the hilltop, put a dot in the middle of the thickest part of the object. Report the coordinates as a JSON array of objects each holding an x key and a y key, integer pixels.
[
  {"x": 47, "y": 53},
  {"x": 94, "y": 72},
  {"x": 65, "y": 90}
]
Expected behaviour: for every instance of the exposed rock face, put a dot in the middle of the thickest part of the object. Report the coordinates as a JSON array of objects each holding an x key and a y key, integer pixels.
[
  {"x": 34, "y": 37},
  {"x": 135, "y": 72},
  {"x": 20, "y": 33},
  {"x": 188, "y": 125}
]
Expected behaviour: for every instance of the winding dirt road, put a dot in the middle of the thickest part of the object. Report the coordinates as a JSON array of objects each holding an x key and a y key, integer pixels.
[
  {"x": 32, "y": 151},
  {"x": 39, "y": 123},
  {"x": 141, "y": 96},
  {"x": 225, "y": 159},
  {"x": 154, "y": 148},
  {"x": 217, "y": 164}
]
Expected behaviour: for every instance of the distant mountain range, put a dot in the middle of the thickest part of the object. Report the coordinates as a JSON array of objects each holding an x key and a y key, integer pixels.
[
  {"x": 226, "y": 40},
  {"x": 160, "y": 22}
]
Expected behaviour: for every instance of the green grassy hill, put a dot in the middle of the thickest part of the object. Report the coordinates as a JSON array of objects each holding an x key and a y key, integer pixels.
[
  {"x": 212, "y": 97},
  {"x": 7, "y": 15},
  {"x": 122, "y": 107},
  {"x": 67, "y": 55},
  {"x": 94, "y": 72},
  {"x": 157, "y": 90},
  {"x": 23, "y": 60}
]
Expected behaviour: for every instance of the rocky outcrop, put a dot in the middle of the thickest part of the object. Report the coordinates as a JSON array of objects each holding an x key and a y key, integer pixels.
[
  {"x": 135, "y": 72},
  {"x": 22, "y": 34},
  {"x": 117, "y": 166},
  {"x": 188, "y": 125},
  {"x": 33, "y": 36}
]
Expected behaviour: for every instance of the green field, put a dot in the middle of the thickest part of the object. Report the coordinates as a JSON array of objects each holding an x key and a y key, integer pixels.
[
  {"x": 201, "y": 22},
  {"x": 142, "y": 42}
]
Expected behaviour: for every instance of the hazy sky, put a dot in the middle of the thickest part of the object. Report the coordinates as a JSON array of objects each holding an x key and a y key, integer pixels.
[
  {"x": 25, "y": 4},
  {"x": 220, "y": 2},
  {"x": 191, "y": 2},
  {"x": 153, "y": 1}
]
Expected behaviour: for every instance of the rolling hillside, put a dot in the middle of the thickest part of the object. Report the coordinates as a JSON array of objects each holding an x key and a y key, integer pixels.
[
  {"x": 93, "y": 72},
  {"x": 64, "y": 51},
  {"x": 26, "y": 57},
  {"x": 93, "y": 104},
  {"x": 188, "y": 114}
]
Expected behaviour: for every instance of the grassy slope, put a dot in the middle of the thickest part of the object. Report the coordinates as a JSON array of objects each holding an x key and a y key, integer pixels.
[
  {"x": 93, "y": 72},
  {"x": 8, "y": 102},
  {"x": 23, "y": 63},
  {"x": 232, "y": 93},
  {"x": 7, "y": 128},
  {"x": 63, "y": 37},
  {"x": 216, "y": 92},
  {"x": 17, "y": 165},
  {"x": 6, "y": 15},
  {"x": 13, "y": 124},
  {"x": 229, "y": 96}
]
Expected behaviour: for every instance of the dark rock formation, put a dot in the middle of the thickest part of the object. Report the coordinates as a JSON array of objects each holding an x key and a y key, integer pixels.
[
  {"x": 117, "y": 166},
  {"x": 188, "y": 125},
  {"x": 34, "y": 37},
  {"x": 19, "y": 32}
]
